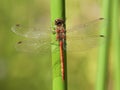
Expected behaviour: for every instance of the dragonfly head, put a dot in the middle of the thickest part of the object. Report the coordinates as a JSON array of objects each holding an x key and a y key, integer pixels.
[{"x": 59, "y": 22}]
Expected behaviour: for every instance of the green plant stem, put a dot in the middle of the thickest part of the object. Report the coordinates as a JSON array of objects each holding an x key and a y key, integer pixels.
[
  {"x": 116, "y": 42},
  {"x": 102, "y": 72},
  {"x": 57, "y": 11}
]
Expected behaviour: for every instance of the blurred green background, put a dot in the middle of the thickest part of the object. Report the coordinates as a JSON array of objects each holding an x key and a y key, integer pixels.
[{"x": 30, "y": 71}]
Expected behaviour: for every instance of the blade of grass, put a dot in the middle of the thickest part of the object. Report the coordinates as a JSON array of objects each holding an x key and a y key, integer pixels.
[
  {"x": 57, "y": 11},
  {"x": 116, "y": 42},
  {"x": 104, "y": 49}
]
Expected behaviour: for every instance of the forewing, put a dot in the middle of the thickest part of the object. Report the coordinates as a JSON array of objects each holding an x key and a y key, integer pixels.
[{"x": 30, "y": 32}]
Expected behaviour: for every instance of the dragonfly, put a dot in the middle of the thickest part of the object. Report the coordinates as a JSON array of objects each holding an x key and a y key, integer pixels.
[
  {"x": 61, "y": 37},
  {"x": 79, "y": 38}
]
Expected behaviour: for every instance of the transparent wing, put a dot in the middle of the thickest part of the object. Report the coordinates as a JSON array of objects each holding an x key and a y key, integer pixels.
[
  {"x": 37, "y": 40},
  {"x": 84, "y": 37},
  {"x": 30, "y": 32},
  {"x": 33, "y": 46}
]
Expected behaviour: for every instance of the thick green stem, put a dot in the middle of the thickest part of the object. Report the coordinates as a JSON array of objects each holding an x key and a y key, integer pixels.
[{"x": 57, "y": 11}]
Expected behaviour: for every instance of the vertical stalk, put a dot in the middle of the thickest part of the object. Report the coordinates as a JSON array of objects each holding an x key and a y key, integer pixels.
[
  {"x": 116, "y": 42},
  {"x": 105, "y": 48},
  {"x": 57, "y": 11}
]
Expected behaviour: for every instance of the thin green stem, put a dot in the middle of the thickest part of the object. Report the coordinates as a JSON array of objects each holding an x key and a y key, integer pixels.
[
  {"x": 116, "y": 42},
  {"x": 102, "y": 72}
]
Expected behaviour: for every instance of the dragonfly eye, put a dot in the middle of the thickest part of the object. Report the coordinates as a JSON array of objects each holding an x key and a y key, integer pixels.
[{"x": 59, "y": 22}]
